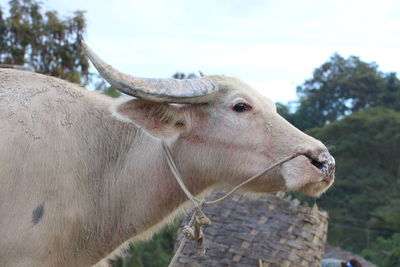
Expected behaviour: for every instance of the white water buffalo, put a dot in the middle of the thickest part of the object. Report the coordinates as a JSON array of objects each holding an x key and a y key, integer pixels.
[{"x": 81, "y": 173}]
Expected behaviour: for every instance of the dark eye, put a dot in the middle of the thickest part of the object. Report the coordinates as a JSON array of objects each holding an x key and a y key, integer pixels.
[{"x": 240, "y": 107}]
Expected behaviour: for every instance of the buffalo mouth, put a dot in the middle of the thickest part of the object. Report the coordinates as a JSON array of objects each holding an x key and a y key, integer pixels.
[{"x": 311, "y": 175}]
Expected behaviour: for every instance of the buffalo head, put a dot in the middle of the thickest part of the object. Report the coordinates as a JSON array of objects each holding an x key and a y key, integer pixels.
[{"x": 222, "y": 130}]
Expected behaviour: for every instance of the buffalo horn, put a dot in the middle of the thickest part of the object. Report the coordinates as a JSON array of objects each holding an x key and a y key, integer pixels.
[{"x": 198, "y": 90}]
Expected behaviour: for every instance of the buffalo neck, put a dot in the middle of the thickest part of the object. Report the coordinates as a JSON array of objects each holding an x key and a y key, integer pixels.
[{"x": 137, "y": 192}]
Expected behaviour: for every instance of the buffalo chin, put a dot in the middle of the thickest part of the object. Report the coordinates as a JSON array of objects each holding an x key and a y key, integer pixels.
[
  {"x": 315, "y": 189},
  {"x": 300, "y": 175}
]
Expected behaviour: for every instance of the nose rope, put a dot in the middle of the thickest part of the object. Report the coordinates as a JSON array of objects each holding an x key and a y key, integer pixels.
[{"x": 193, "y": 229}]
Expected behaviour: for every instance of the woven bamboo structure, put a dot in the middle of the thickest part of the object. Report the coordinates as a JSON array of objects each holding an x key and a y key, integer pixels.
[{"x": 264, "y": 231}]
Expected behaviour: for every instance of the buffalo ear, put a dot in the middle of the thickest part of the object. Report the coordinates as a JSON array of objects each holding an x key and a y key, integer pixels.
[{"x": 158, "y": 119}]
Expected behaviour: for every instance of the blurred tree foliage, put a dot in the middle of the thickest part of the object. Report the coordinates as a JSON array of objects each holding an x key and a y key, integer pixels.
[
  {"x": 364, "y": 202},
  {"x": 355, "y": 109},
  {"x": 181, "y": 75},
  {"x": 341, "y": 86},
  {"x": 102, "y": 85},
  {"x": 154, "y": 253},
  {"x": 43, "y": 41},
  {"x": 385, "y": 251}
]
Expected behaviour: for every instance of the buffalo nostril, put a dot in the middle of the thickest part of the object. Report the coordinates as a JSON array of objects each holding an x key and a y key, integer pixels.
[
  {"x": 316, "y": 163},
  {"x": 324, "y": 162}
]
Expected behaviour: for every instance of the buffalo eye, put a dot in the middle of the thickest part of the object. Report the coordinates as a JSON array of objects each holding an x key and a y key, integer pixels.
[{"x": 241, "y": 107}]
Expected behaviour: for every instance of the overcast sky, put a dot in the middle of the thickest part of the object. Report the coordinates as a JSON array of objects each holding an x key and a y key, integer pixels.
[{"x": 272, "y": 45}]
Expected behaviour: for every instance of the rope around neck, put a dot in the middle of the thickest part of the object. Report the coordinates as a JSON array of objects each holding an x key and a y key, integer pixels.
[{"x": 194, "y": 229}]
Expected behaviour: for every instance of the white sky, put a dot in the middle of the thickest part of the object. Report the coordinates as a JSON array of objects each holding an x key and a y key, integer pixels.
[{"x": 272, "y": 45}]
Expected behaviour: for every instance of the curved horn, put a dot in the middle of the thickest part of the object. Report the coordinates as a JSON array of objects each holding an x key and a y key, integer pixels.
[{"x": 157, "y": 90}]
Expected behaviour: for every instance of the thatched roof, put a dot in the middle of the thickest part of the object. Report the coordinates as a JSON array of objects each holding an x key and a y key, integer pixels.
[{"x": 271, "y": 230}]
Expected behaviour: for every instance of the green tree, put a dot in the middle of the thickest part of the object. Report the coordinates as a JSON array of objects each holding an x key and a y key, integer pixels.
[
  {"x": 154, "y": 253},
  {"x": 385, "y": 251},
  {"x": 302, "y": 117},
  {"x": 341, "y": 86},
  {"x": 182, "y": 75},
  {"x": 43, "y": 41},
  {"x": 390, "y": 97},
  {"x": 107, "y": 90},
  {"x": 356, "y": 108},
  {"x": 364, "y": 201}
]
